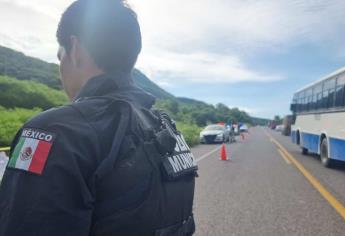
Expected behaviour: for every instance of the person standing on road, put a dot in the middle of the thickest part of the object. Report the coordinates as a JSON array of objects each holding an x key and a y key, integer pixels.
[
  {"x": 232, "y": 134},
  {"x": 106, "y": 164}
]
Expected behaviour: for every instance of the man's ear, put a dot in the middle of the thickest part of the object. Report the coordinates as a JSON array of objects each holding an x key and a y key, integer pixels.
[{"x": 76, "y": 51}]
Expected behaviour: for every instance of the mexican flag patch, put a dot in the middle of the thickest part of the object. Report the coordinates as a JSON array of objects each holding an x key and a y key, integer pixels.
[{"x": 31, "y": 151}]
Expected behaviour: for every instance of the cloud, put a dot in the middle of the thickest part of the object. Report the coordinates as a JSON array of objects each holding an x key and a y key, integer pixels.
[
  {"x": 27, "y": 29},
  {"x": 209, "y": 40},
  {"x": 199, "y": 41},
  {"x": 51, "y": 9},
  {"x": 198, "y": 67},
  {"x": 245, "y": 24}
]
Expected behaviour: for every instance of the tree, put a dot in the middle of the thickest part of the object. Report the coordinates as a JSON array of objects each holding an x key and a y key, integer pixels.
[
  {"x": 277, "y": 119},
  {"x": 29, "y": 94}
]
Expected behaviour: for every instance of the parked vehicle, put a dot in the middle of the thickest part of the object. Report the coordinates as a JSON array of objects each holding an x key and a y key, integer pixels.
[
  {"x": 279, "y": 128},
  {"x": 320, "y": 114},
  {"x": 243, "y": 128},
  {"x": 214, "y": 134},
  {"x": 272, "y": 125},
  {"x": 287, "y": 121}
]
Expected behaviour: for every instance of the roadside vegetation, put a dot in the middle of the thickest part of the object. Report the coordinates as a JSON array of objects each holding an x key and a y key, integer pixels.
[
  {"x": 29, "y": 86},
  {"x": 192, "y": 116},
  {"x": 29, "y": 94},
  {"x": 21, "y": 100},
  {"x": 11, "y": 120},
  {"x": 190, "y": 132}
]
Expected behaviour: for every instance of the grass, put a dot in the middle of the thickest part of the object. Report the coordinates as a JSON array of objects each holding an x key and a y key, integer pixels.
[{"x": 190, "y": 133}]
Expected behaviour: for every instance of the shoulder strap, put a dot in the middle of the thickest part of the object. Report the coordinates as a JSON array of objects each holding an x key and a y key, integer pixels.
[
  {"x": 108, "y": 163},
  {"x": 139, "y": 125}
]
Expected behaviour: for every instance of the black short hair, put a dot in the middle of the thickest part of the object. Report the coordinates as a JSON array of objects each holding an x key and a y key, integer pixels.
[{"x": 108, "y": 30}]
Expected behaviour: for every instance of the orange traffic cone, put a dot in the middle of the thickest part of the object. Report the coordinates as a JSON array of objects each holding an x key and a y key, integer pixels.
[{"x": 223, "y": 156}]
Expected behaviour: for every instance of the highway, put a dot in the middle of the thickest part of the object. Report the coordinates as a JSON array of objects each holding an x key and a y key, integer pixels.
[{"x": 268, "y": 188}]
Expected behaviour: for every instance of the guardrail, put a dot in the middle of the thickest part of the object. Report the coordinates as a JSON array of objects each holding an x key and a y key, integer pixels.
[{"x": 4, "y": 149}]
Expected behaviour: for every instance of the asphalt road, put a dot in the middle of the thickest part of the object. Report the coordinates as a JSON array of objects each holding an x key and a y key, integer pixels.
[{"x": 259, "y": 192}]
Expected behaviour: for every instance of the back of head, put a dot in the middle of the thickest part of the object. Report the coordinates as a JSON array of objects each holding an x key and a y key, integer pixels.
[{"x": 107, "y": 29}]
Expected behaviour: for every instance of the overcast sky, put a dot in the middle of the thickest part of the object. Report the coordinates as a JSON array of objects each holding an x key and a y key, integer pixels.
[{"x": 251, "y": 54}]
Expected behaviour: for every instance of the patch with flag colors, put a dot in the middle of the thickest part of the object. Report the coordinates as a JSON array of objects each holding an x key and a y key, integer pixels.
[{"x": 31, "y": 151}]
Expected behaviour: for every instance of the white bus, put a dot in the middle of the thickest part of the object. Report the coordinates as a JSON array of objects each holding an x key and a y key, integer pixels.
[{"x": 319, "y": 111}]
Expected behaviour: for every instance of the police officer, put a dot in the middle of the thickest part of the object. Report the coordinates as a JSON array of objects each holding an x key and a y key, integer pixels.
[{"x": 88, "y": 168}]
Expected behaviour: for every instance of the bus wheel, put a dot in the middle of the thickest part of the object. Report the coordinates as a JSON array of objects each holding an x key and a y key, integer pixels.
[
  {"x": 304, "y": 151},
  {"x": 325, "y": 160}
]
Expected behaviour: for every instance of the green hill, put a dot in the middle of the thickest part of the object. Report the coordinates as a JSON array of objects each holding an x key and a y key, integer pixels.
[
  {"x": 29, "y": 85},
  {"x": 29, "y": 94},
  {"x": 16, "y": 64},
  {"x": 39, "y": 85},
  {"x": 145, "y": 83},
  {"x": 190, "y": 101}
]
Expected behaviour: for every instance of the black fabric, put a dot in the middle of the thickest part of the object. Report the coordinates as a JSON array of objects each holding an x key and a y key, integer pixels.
[
  {"x": 184, "y": 228},
  {"x": 103, "y": 175},
  {"x": 177, "y": 161}
]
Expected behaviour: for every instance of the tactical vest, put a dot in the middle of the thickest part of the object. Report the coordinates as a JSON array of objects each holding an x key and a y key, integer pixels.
[{"x": 150, "y": 163}]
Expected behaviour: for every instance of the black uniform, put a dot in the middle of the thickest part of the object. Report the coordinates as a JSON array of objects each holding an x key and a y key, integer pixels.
[{"x": 64, "y": 177}]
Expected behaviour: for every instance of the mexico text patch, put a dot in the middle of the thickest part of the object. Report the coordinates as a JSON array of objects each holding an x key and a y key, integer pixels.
[{"x": 31, "y": 151}]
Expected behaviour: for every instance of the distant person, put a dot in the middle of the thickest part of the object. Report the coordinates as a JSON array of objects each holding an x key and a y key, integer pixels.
[
  {"x": 232, "y": 134},
  {"x": 106, "y": 164}
]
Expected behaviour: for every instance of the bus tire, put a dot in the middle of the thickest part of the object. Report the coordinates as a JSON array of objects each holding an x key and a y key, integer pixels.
[
  {"x": 304, "y": 151},
  {"x": 325, "y": 160}
]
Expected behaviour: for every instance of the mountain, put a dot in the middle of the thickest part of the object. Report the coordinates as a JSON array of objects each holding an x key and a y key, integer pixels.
[
  {"x": 145, "y": 83},
  {"x": 29, "y": 85},
  {"x": 39, "y": 85},
  {"x": 190, "y": 101},
  {"x": 16, "y": 64}
]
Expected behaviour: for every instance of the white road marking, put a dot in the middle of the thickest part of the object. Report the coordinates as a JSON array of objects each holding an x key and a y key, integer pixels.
[{"x": 209, "y": 153}]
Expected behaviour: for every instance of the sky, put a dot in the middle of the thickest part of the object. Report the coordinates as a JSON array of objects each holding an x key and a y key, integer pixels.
[{"x": 251, "y": 54}]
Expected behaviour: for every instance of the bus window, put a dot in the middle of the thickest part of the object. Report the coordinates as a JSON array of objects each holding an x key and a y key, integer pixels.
[
  {"x": 318, "y": 94},
  {"x": 297, "y": 103},
  {"x": 324, "y": 99},
  {"x": 328, "y": 93},
  {"x": 301, "y": 101},
  {"x": 310, "y": 103},
  {"x": 339, "y": 96},
  {"x": 309, "y": 99},
  {"x": 293, "y": 106},
  {"x": 331, "y": 99},
  {"x": 294, "y": 103},
  {"x": 305, "y": 104},
  {"x": 314, "y": 106},
  {"x": 319, "y": 100}
]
